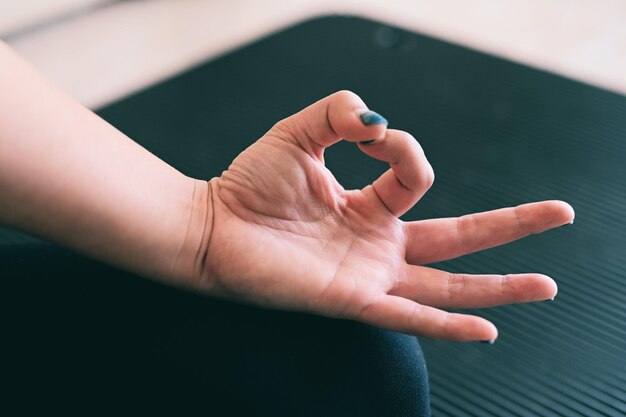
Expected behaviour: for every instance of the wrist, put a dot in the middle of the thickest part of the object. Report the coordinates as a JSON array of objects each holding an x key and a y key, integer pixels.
[{"x": 190, "y": 266}]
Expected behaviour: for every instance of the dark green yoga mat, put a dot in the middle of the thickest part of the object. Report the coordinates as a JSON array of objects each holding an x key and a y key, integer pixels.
[{"x": 497, "y": 134}]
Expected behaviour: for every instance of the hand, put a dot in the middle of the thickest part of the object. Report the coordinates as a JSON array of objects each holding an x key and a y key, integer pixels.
[{"x": 285, "y": 234}]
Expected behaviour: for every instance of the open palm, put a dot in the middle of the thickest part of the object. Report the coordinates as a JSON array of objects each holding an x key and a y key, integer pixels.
[{"x": 286, "y": 235}]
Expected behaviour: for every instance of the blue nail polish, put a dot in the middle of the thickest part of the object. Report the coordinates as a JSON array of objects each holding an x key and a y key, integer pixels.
[
  {"x": 372, "y": 118},
  {"x": 367, "y": 142}
]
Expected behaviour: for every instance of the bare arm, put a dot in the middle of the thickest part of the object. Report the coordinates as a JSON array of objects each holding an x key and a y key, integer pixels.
[{"x": 69, "y": 176}]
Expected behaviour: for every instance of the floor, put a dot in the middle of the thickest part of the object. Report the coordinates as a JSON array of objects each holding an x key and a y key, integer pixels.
[{"x": 101, "y": 50}]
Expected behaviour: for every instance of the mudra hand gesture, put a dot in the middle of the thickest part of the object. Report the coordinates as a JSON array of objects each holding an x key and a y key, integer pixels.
[{"x": 282, "y": 232}]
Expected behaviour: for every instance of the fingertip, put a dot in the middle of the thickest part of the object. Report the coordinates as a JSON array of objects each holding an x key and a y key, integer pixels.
[
  {"x": 570, "y": 213},
  {"x": 368, "y": 122},
  {"x": 545, "y": 215},
  {"x": 370, "y": 117},
  {"x": 529, "y": 287},
  {"x": 564, "y": 211},
  {"x": 471, "y": 328},
  {"x": 490, "y": 331},
  {"x": 551, "y": 288},
  {"x": 351, "y": 119},
  {"x": 484, "y": 331}
]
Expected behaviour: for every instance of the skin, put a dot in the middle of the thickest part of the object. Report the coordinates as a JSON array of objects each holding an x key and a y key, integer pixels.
[{"x": 276, "y": 229}]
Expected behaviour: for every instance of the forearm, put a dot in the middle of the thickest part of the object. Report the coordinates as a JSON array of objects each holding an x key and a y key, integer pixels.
[{"x": 69, "y": 176}]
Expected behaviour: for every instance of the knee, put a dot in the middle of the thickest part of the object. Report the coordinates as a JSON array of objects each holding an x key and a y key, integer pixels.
[{"x": 393, "y": 374}]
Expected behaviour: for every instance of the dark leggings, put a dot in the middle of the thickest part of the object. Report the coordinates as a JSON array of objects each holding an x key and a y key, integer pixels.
[{"x": 87, "y": 338}]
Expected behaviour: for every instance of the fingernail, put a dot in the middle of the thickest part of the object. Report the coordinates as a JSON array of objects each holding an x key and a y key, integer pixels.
[
  {"x": 551, "y": 300},
  {"x": 367, "y": 142},
  {"x": 490, "y": 342},
  {"x": 372, "y": 118}
]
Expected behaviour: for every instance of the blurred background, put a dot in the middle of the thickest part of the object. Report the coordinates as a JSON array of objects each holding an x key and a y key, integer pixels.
[{"x": 101, "y": 50}]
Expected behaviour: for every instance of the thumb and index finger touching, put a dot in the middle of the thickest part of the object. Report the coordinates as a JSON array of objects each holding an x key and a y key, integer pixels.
[{"x": 343, "y": 115}]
